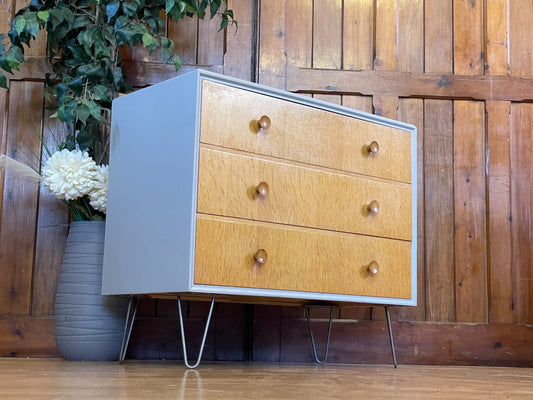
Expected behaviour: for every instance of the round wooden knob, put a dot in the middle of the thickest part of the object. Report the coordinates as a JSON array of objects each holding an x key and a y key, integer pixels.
[
  {"x": 264, "y": 123},
  {"x": 373, "y": 268},
  {"x": 373, "y": 207},
  {"x": 260, "y": 257},
  {"x": 373, "y": 148},
  {"x": 262, "y": 189}
]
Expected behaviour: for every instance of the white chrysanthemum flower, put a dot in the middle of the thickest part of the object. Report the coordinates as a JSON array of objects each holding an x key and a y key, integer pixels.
[
  {"x": 98, "y": 196},
  {"x": 69, "y": 174}
]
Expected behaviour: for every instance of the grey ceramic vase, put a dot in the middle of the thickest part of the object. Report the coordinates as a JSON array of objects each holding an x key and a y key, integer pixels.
[{"x": 88, "y": 326}]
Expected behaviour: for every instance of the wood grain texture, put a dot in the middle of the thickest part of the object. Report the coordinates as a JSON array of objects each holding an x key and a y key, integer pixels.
[
  {"x": 404, "y": 84},
  {"x": 298, "y": 259},
  {"x": 438, "y": 36},
  {"x": 411, "y": 35},
  {"x": 468, "y": 43},
  {"x": 299, "y": 40},
  {"x": 412, "y": 112},
  {"x": 470, "y": 212},
  {"x": 19, "y": 206},
  {"x": 497, "y": 37},
  {"x": 438, "y": 210},
  {"x": 385, "y": 31},
  {"x": 301, "y": 196},
  {"x": 415, "y": 342},
  {"x": 6, "y": 16},
  {"x": 272, "y": 57},
  {"x": 241, "y": 45},
  {"x": 184, "y": 33},
  {"x": 25, "y": 336},
  {"x": 210, "y": 42},
  {"x": 141, "y": 380},
  {"x": 521, "y": 147},
  {"x": 362, "y": 103},
  {"x": 358, "y": 35},
  {"x": 520, "y": 33},
  {"x": 52, "y": 228},
  {"x": 386, "y": 106},
  {"x": 499, "y": 212},
  {"x": 327, "y": 34},
  {"x": 302, "y": 133}
]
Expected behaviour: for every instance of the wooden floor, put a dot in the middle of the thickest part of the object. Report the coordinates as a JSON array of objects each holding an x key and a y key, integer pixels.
[{"x": 56, "y": 379}]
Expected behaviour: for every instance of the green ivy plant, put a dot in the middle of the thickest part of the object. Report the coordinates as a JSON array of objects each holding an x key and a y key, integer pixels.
[{"x": 83, "y": 42}]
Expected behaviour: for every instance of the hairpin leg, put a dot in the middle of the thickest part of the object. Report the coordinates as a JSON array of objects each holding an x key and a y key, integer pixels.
[
  {"x": 390, "y": 337},
  {"x": 130, "y": 318},
  {"x": 183, "y": 334},
  {"x": 306, "y": 308}
]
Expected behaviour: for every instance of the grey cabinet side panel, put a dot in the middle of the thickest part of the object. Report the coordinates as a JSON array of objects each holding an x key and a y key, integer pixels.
[{"x": 152, "y": 189}]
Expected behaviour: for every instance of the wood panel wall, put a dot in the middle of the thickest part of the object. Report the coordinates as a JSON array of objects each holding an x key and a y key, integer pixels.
[{"x": 461, "y": 71}]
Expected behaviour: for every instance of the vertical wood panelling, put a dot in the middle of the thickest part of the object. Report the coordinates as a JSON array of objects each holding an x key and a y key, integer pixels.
[
  {"x": 386, "y": 106},
  {"x": 499, "y": 204},
  {"x": 438, "y": 36},
  {"x": 386, "y": 19},
  {"x": 184, "y": 33},
  {"x": 299, "y": 40},
  {"x": 438, "y": 210},
  {"x": 19, "y": 206},
  {"x": 358, "y": 35},
  {"x": 358, "y": 47},
  {"x": 470, "y": 224},
  {"x": 210, "y": 42},
  {"x": 411, "y": 36},
  {"x": 521, "y": 64},
  {"x": 521, "y": 147},
  {"x": 497, "y": 31},
  {"x": 499, "y": 182},
  {"x": 327, "y": 34},
  {"x": 272, "y": 60},
  {"x": 240, "y": 44},
  {"x": 52, "y": 228},
  {"x": 438, "y": 168},
  {"x": 412, "y": 112},
  {"x": 520, "y": 34},
  {"x": 468, "y": 45}
]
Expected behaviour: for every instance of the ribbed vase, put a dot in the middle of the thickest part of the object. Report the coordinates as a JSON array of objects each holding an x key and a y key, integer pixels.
[{"x": 88, "y": 326}]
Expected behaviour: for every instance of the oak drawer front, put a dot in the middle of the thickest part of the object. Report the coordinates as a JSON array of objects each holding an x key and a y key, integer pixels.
[
  {"x": 239, "y": 185},
  {"x": 302, "y": 133},
  {"x": 299, "y": 259}
]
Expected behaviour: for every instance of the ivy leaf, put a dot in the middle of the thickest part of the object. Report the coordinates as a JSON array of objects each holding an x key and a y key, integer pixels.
[
  {"x": 100, "y": 92},
  {"x": 95, "y": 110},
  {"x": 112, "y": 9},
  {"x": 43, "y": 15},
  {"x": 20, "y": 24},
  {"x": 169, "y": 5},
  {"x": 82, "y": 113},
  {"x": 32, "y": 27},
  {"x": 177, "y": 63},
  {"x": 147, "y": 39}
]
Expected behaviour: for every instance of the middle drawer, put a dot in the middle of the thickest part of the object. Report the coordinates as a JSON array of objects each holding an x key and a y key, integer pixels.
[{"x": 245, "y": 186}]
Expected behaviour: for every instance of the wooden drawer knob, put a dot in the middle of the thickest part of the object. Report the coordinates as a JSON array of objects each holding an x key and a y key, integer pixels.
[
  {"x": 264, "y": 123},
  {"x": 261, "y": 190},
  {"x": 260, "y": 257},
  {"x": 373, "y": 148},
  {"x": 373, "y": 207},
  {"x": 373, "y": 268}
]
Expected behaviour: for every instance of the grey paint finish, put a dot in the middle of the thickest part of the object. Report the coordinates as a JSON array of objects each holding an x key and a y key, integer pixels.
[{"x": 151, "y": 217}]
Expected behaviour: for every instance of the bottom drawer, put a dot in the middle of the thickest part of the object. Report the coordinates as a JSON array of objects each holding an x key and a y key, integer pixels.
[{"x": 250, "y": 254}]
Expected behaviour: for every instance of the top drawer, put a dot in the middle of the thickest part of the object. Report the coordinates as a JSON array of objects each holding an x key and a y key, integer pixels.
[{"x": 230, "y": 118}]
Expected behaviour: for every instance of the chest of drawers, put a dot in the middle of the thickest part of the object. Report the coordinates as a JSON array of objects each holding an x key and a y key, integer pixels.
[{"x": 223, "y": 187}]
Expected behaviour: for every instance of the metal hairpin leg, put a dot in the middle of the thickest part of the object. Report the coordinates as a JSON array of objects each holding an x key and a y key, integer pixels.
[
  {"x": 203, "y": 340},
  {"x": 130, "y": 318},
  {"x": 390, "y": 337},
  {"x": 306, "y": 308}
]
